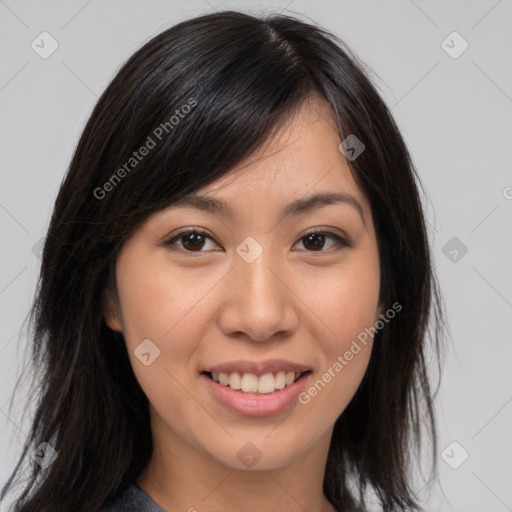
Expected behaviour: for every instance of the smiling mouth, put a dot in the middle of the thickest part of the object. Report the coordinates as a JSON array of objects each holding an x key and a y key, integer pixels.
[{"x": 251, "y": 383}]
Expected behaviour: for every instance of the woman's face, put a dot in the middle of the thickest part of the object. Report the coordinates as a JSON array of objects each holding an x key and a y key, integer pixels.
[{"x": 266, "y": 289}]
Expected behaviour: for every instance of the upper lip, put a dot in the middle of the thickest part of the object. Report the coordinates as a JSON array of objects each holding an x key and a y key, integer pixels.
[{"x": 257, "y": 368}]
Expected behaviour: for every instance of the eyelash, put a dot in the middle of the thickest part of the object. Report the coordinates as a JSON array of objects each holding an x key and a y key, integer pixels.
[{"x": 341, "y": 243}]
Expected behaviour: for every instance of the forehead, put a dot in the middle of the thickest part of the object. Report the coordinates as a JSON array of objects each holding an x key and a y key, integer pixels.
[{"x": 300, "y": 159}]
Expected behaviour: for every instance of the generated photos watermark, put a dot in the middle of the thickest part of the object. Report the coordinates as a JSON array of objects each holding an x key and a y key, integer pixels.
[
  {"x": 343, "y": 360},
  {"x": 153, "y": 139}
]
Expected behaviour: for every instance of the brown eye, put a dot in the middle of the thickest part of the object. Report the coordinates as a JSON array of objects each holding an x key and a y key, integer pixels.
[
  {"x": 189, "y": 241},
  {"x": 316, "y": 241},
  {"x": 192, "y": 241}
]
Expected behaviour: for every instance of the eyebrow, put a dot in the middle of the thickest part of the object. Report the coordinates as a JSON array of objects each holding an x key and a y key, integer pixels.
[{"x": 298, "y": 207}]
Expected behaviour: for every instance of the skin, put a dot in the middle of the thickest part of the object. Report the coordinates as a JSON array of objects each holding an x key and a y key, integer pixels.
[{"x": 210, "y": 306}]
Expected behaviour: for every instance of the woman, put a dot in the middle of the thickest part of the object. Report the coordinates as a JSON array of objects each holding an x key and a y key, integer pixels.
[{"x": 236, "y": 286}]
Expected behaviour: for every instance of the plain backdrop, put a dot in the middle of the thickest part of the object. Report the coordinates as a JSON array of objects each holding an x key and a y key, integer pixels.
[{"x": 453, "y": 105}]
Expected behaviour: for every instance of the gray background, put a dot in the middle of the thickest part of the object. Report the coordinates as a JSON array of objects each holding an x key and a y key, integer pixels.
[{"x": 453, "y": 112}]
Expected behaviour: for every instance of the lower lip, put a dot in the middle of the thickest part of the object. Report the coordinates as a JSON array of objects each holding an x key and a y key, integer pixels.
[{"x": 255, "y": 405}]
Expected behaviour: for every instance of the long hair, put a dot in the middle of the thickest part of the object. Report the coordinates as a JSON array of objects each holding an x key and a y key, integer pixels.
[{"x": 201, "y": 97}]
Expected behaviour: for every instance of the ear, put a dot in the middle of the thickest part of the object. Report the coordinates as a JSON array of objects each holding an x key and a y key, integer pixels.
[{"x": 111, "y": 311}]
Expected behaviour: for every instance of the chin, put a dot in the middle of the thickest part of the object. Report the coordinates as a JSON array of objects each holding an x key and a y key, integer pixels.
[{"x": 268, "y": 450}]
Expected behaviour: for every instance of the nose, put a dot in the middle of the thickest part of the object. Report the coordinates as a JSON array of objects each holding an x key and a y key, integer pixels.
[{"x": 260, "y": 304}]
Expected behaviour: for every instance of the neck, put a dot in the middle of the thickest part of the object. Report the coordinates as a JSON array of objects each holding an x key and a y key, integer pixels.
[{"x": 181, "y": 477}]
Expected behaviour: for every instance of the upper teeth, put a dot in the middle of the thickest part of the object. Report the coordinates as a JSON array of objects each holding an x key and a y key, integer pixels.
[{"x": 249, "y": 382}]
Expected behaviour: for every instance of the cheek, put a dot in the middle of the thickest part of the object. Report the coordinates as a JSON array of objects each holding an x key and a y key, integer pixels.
[
  {"x": 346, "y": 346},
  {"x": 163, "y": 304},
  {"x": 157, "y": 304},
  {"x": 344, "y": 301},
  {"x": 157, "y": 301},
  {"x": 346, "y": 304}
]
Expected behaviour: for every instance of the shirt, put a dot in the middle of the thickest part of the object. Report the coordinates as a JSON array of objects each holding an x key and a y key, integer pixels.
[{"x": 132, "y": 499}]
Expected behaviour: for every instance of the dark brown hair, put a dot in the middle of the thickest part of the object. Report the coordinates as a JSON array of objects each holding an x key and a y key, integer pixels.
[{"x": 241, "y": 77}]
